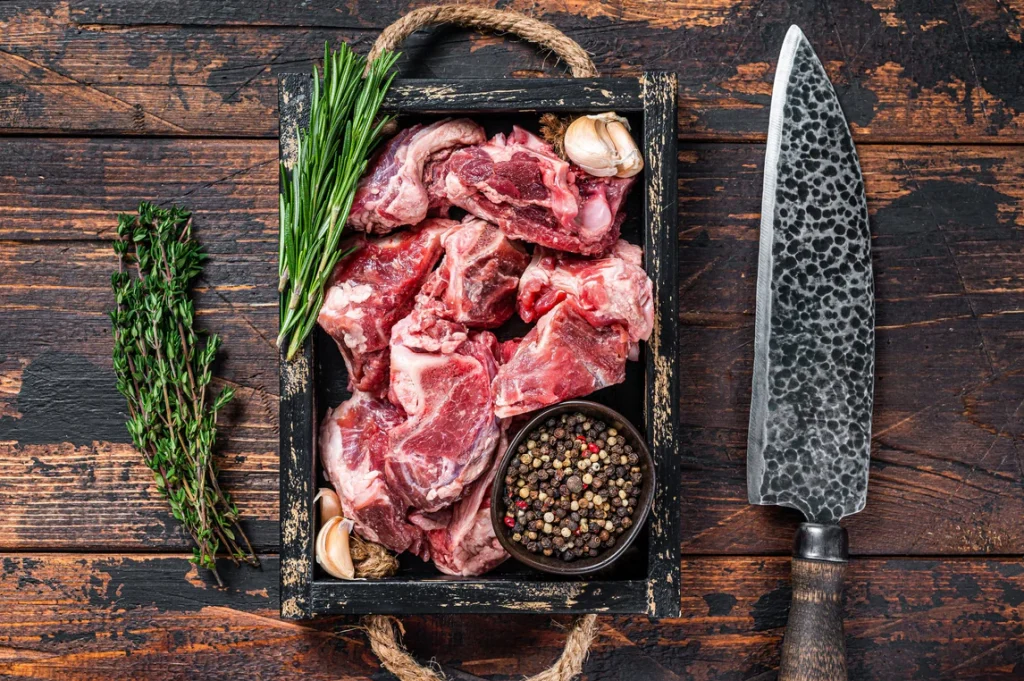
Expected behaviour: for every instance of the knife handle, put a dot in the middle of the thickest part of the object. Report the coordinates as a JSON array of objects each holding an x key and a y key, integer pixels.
[{"x": 814, "y": 647}]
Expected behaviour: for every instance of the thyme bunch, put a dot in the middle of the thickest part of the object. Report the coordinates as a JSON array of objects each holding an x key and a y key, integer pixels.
[
  {"x": 164, "y": 372},
  {"x": 317, "y": 191}
]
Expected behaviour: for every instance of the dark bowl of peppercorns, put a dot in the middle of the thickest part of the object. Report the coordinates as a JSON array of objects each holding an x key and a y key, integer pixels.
[{"x": 573, "y": 489}]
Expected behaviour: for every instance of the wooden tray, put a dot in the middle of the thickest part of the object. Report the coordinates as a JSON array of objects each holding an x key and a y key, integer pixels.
[{"x": 646, "y": 579}]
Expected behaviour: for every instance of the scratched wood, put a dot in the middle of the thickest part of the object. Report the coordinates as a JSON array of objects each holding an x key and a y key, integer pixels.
[
  {"x": 946, "y": 474},
  {"x": 916, "y": 70},
  {"x": 947, "y": 466},
  {"x": 155, "y": 617}
]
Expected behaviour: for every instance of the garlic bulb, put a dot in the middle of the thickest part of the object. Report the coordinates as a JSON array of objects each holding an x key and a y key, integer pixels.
[
  {"x": 601, "y": 145},
  {"x": 332, "y": 549},
  {"x": 330, "y": 504}
]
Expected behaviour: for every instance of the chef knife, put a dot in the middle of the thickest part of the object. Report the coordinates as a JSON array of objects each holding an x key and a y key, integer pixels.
[{"x": 814, "y": 345}]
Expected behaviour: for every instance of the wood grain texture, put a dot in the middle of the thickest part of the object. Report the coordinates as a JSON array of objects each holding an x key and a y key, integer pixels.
[
  {"x": 949, "y": 266},
  {"x": 814, "y": 645},
  {"x": 918, "y": 70},
  {"x": 121, "y": 616}
]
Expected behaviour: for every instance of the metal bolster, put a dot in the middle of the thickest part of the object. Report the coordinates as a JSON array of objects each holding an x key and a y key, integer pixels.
[{"x": 827, "y": 543}]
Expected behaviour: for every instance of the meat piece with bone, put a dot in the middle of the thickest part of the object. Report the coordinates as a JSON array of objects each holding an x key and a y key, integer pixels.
[
  {"x": 613, "y": 289},
  {"x": 465, "y": 545},
  {"x": 449, "y": 438},
  {"x": 370, "y": 290},
  {"x": 563, "y": 356},
  {"x": 354, "y": 445},
  {"x": 478, "y": 277},
  {"x": 520, "y": 184},
  {"x": 393, "y": 191}
]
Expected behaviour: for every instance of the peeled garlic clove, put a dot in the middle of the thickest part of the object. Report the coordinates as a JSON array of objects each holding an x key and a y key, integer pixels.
[
  {"x": 602, "y": 146},
  {"x": 330, "y": 504},
  {"x": 332, "y": 548}
]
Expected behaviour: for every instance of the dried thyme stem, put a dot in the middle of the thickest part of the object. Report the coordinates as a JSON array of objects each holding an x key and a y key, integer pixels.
[{"x": 165, "y": 373}]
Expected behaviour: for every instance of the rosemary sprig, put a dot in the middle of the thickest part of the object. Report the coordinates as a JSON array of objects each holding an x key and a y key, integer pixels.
[
  {"x": 317, "y": 191},
  {"x": 164, "y": 373}
]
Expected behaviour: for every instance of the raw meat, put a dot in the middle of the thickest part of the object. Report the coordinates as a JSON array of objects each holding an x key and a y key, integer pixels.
[
  {"x": 373, "y": 288},
  {"x": 610, "y": 290},
  {"x": 602, "y": 202},
  {"x": 477, "y": 280},
  {"x": 520, "y": 184},
  {"x": 562, "y": 357},
  {"x": 466, "y": 545},
  {"x": 392, "y": 192},
  {"x": 353, "y": 447},
  {"x": 449, "y": 438},
  {"x": 434, "y": 173}
]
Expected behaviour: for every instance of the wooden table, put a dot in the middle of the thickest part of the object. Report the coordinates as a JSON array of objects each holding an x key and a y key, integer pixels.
[{"x": 105, "y": 103}]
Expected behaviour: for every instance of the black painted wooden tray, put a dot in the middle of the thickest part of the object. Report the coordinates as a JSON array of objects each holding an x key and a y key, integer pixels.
[{"x": 646, "y": 579}]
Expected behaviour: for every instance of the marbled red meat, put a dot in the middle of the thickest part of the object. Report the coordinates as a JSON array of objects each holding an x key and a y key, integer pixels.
[
  {"x": 613, "y": 289},
  {"x": 354, "y": 445},
  {"x": 477, "y": 281},
  {"x": 518, "y": 183},
  {"x": 563, "y": 356},
  {"x": 465, "y": 544},
  {"x": 373, "y": 288},
  {"x": 449, "y": 438},
  {"x": 393, "y": 191}
]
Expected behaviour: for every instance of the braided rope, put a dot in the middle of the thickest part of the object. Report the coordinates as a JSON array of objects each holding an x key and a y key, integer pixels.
[
  {"x": 485, "y": 18},
  {"x": 387, "y": 645}
]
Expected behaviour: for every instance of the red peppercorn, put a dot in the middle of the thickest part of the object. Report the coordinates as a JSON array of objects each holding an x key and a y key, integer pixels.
[
  {"x": 593, "y": 448},
  {"x": 521, "y": 504},
  {"x": 510, "y": 521},
  {"x": 581, "y": 438}
]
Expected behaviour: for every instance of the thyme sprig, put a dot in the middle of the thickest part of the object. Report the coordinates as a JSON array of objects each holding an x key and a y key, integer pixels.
[
  {"x": 164, "y": 372},
  {"x": 318, "y": 189}
]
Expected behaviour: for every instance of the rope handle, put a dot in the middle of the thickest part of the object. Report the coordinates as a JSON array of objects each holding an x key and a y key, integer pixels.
[
  {"x": 386, "y": 644},
  {"x": 384, "y": 632},
  {"x": 487, "y": 19}
]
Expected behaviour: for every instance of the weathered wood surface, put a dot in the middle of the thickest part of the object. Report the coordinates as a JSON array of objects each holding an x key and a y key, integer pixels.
[
  {"x": 935, "y": 590},
  {"x": 946, "y": 475},
  {"x": 154, "y": 617},
  {"x": 922, "y": 70}
]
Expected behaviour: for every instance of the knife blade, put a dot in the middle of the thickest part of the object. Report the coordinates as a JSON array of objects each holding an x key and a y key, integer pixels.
[{"x": 809, "y": 438}]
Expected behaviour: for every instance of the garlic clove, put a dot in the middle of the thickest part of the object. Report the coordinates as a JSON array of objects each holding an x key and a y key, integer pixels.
[
  {"x": 601, "y": 144},
  {"x": 330, "y": 504},
  {"x": 631, "y": 161},
  {"x": 332, "y": 548},
  {"x": 588, "y": 146}
]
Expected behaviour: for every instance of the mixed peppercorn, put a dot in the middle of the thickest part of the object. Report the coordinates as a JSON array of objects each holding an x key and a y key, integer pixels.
[{"x": 572, "y": 488}]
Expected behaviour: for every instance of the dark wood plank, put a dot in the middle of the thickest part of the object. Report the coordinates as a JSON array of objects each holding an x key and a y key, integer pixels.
[
  {"x": 297, "y": 410},
  {"x": 936, "y": 71},
  {"x": 661, "y": 403},
  {"x": 949, "y": 265},
  {"x": 118, "y": 616}
]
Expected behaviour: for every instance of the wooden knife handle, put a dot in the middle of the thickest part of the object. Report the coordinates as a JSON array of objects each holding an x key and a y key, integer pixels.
[{"x": 814, "y": 648}]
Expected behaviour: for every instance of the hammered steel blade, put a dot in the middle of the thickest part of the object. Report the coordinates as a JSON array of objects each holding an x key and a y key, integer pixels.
[{"x": 810, "y": 417}]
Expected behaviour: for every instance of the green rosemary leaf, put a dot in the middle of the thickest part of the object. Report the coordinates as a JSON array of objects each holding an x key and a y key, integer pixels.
[{"x": 318, "y": 189}]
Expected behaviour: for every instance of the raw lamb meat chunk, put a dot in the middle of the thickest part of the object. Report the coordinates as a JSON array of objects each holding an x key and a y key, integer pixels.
[
  {"x": 520, "y": 184},
  {"x": 449, "y": 438},
  {"x": 478, "y": 277},
  {"x": 392, "y": 192},
  {"x": 373, "y": 288},
  {"x": 353, "y": 447},
  {"x": 562, "y": 357},
  {"x": 610, "y": 290},
  {"x": 466, "y": 545}
]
